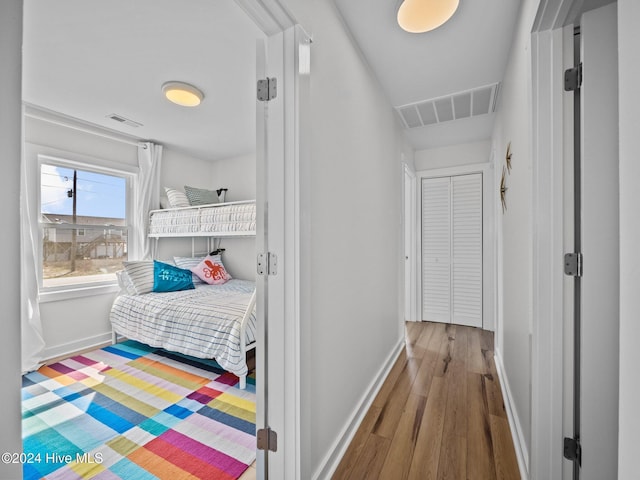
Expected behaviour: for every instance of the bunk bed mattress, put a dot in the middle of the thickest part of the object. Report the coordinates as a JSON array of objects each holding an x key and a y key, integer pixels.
[
  {"x": 204, "y": 322},
  {"x": 236, "y": 218}
]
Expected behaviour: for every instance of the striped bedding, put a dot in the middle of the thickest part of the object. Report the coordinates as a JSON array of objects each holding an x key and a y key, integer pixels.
[
  {"x": 204, "y": 322},
  {"x": 225, "y": 218}
]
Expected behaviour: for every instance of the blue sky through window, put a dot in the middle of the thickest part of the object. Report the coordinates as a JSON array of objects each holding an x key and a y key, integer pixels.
[{"x": 98, "y": 195}]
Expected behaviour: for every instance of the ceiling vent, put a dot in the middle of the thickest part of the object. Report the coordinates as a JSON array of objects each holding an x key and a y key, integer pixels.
[
  {"x": 471, "y": 103},
  {"x": 123, "y": 120}
]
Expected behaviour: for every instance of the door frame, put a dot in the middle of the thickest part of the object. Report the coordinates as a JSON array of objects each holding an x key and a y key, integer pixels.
[
  {"x": 282, "y": 154},
  {"x": 548, "y": 282},
  {"x": 552, "y": 152},
  {"x": 489, "y": 290},
  {"x": 410, "y": 243}
]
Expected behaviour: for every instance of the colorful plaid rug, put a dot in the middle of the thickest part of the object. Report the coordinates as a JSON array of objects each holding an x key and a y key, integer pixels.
[{"x": 129, "y": 411}]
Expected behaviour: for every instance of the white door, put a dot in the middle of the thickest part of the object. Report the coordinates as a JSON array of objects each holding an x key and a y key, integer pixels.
[
  {"x": 452, "y": 249},
  {"x": 436, "y": 249},
  {"x": 281, "y": 170},
  {"x": 600, "y": 245},
  {"x": 466, "y": 250},
  {"x": 409, "y": 244}
]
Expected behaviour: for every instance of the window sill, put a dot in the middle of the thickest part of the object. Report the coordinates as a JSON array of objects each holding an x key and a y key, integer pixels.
[{"x": 77, "y": 292}]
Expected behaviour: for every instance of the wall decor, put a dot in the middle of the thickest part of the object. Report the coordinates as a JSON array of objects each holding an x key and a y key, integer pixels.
[
  {"x": 508, "y": 158},
  {"x": 503, "y": 190}
]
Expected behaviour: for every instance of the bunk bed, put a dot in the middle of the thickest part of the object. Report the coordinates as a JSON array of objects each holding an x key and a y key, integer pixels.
[{"x": 207, "y": 320}]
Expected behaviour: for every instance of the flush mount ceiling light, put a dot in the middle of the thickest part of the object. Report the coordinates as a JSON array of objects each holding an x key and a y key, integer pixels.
[
  {"x": 182, "y": 94},
  {"x": 419, "y": 16}
]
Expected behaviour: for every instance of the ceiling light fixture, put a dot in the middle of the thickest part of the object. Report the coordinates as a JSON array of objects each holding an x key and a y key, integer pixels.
[
  {"x": 419, "y": 16},
  {"x": 182, "y": 94}
]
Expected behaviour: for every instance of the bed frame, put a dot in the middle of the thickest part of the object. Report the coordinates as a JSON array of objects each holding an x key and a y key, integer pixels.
[
  {"x": 220, "y": 220},
  {"x": 244, "y": 347}
]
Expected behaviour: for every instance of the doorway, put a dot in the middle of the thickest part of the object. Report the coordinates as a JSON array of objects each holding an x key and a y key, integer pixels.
[
  {"x": 409, "y": 208},
  {"x": 570, "y": 402},
  {"x": 283, "y": 43}
]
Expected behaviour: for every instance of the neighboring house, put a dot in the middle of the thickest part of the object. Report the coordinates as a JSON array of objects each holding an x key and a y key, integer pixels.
[
  {"x": 91, "y": 243},
  {"x": 355, "y": 260}
]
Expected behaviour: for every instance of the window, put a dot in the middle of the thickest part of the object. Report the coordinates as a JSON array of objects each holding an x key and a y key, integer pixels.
[{"x": 83, "y": 215}]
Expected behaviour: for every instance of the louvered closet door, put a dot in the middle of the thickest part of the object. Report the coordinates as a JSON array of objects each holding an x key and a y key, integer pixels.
[
  {"x": 436, "y": 250},
  {"x": 466, "y": 247},
  {"x": 452, "y": 249}
]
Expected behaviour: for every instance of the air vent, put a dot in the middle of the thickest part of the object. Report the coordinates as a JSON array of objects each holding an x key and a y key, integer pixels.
[
  {"x": 124, "y": 120},
  {"x": 470, "y": 103}
]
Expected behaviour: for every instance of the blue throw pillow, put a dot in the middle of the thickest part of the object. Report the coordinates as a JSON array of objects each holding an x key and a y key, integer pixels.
[{"x": 169, "y": 278}]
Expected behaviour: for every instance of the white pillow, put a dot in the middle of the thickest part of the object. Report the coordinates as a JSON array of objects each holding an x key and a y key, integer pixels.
[
  {"x": 177, "y": 199},
  {"x": 140, "y": 274},
  {"x": 124, "y": 281}
]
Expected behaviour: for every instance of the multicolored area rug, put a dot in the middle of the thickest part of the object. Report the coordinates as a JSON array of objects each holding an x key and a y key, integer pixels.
[{"x": 129, "y": 411}]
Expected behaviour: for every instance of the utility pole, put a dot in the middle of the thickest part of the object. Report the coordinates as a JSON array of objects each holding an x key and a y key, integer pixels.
[{"x": 74, "y": 231}]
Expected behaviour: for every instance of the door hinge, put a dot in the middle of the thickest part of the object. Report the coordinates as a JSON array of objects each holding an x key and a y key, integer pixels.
[
  {"x": 573, "y": 78},
  {"x": 267, "y": 89},
  {"x": 267, "y": 439},
  {"x": 573, "y": 264},
  {"x": 267, "y": 264},
  {"x": 572, "y": 450}
]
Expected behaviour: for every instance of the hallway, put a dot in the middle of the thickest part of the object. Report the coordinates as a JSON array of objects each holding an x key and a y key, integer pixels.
[{"x": 438, "y": 415}]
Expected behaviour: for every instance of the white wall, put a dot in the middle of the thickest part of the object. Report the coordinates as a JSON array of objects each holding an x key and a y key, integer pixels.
[
  {"x": 178, "y": 170},
  {"x": 629, "y": 121},
  {"x": 238, "y": 174},
  {"x": 513, "y": 125},
  {"x": 453, "y": 156},
  {"x": 355, "y": 239},
  {"x": 10, "y": 148}
]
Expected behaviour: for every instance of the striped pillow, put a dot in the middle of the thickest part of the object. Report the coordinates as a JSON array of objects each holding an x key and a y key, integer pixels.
[
  {"x": 141, "y": 275},
  {"x": 177, "y": 199},
  {"x": 200, "y": 196}
]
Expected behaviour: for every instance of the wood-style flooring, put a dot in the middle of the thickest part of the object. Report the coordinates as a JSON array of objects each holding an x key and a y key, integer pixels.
[{"x": 439, "y": 414}]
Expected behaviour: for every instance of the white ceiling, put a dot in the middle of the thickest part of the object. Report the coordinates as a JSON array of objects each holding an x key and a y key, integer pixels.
[
  {"x": 89, "y": 59},
  {"x": 467, "y": 52}
]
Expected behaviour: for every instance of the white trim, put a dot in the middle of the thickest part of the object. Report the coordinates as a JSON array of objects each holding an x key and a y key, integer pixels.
[
  {"x": 409, "y": 217},
  {"x": 82, "y": 290},
  {"x": 547, "y": 277},
  {"x": 56, "y": 118},
  {"x": 76, "y": 346},
  {"x": 332, "y": 459},
  {"x": 86, "y": 162},
  {"x": 452, "y": 171},
  {"x": 270, "y": 15},
  {"x": 281, "y": 189},
  {"x": 515, "y": 426}
]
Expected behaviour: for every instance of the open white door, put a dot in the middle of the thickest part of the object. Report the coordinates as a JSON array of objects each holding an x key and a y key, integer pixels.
[
  {"x": 598, "y": 386},
  {"x": 282, "y": 80}
]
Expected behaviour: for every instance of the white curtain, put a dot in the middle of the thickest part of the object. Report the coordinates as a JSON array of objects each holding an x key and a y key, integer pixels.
[
  {"x": 147, "y": 195},
  {"x": 32, "y": 339}
]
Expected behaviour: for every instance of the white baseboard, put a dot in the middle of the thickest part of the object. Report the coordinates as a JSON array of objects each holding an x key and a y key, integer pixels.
[
  {"x": 522, "y": 454},
  {"x": 76, "y": 346},
  {"x": 330, "y": 463}
]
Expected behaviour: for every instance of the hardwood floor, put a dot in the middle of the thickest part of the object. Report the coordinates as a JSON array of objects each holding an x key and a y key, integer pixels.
[{"x": 438, "y": 415}]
